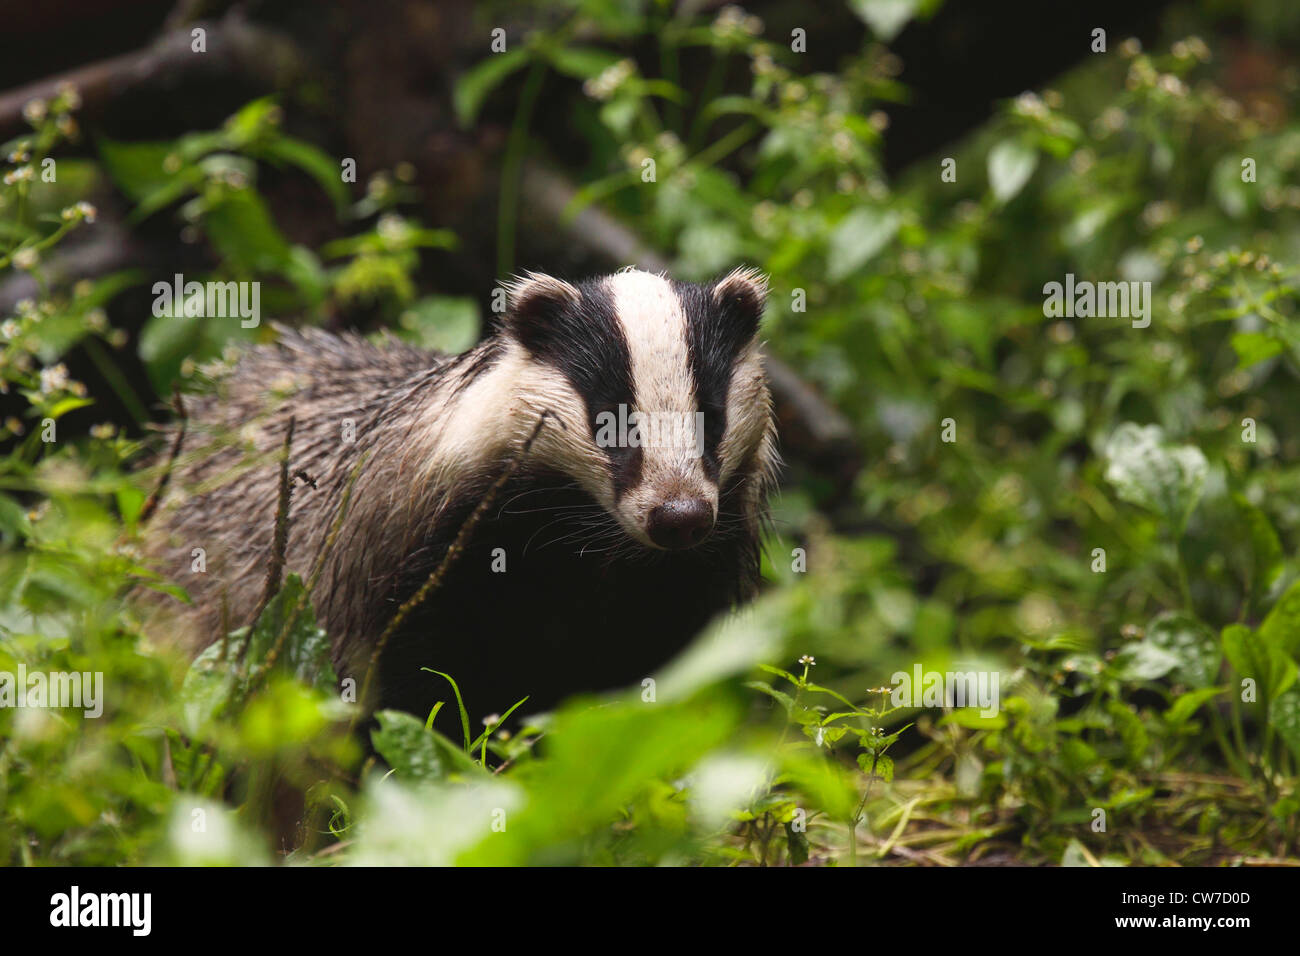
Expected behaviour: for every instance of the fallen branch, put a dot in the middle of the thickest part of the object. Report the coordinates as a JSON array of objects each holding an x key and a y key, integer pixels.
[{"x": 232, "y": 46}]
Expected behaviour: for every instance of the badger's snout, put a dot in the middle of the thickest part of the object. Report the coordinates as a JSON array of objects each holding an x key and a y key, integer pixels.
[{"x": 680, "y": 523}]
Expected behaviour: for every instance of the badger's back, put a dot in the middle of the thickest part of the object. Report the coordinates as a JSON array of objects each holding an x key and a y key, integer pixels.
[{"x": 214, "y": 532}]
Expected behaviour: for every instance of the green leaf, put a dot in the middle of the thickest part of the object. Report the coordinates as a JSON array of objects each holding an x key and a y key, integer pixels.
[
  {"x": 858, "y": 237},
  {"x": 442, "y": 323},
  {"x": 1193, "y": 646},
  {"x": 305, "y": 651},
  {"x": 460, "y": 703},
  {"x": 784, "y": 699},
  {"x": 221, "y": 678},
  {"x": 1131, "y": 730},
  {"x": 1143, "y": 660},
  {"x": 1284, "y": 714},
  {"x": 1234, "y": 197},
  {"x": 474, "y": 85},
  {"x": 582, "y": 62},
  {"x": 778, "y": 672},
  {"x": 253, "y": 119},
  {"x": 1253, "y": 347},
  {"x": 1075, "y": 855},
  {"x": 474, "y": 745},
  {"x": 245, "y": 235},
  {"x": 731, "y": 645},
  {"x": 210, "y": 683},
  {"x": 1266, "y": 557},
  {"x": 414, "y": 752},
  {"x": 1010, "y": 164},
  {"x": 972, "y": 718},
  {"x": 165, "y": 342},
  {"x": 818, "y": 688},
  {"x": 1188, "y": 704},
  {"x": 885, "y": 17},
  {"x": 137, "y": 168},
  {"x": 1281, "y": 628},
  {"x": 1147, "y": 472},
  {"x": 828, "y": 785},
  {"x": 312, "y": 161},
  {"x": 1265, "y": 662},
  {"x": 885, "y": 768},
  {"x": 65, "y": 405},
  {"x": 796, "y": 845}
]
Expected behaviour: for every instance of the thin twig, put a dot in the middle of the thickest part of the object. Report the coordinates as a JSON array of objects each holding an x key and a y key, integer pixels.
[
  {"x": 318, "y": 567},
  {"x": 457, "y": 547},
  {"x": 280, "y": 540},
  {"x": 151, "y": 503}
]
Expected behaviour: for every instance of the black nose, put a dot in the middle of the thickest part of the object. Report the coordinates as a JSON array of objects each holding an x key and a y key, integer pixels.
[{"x": 680, "y": 523}]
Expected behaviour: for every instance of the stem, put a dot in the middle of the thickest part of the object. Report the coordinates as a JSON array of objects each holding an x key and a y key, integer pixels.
[
  {"x": 712, "y": 85},
  {"x": 64, "y": 228},
  {"x": 669, "y": 64},
  {"x": 733, "y": 140},
  {"x": 1184, "y": 583},
  {"x": 116, "y": 380},
  {"x": 857, "y": 814},
  {"x": 508, "y": 207}
]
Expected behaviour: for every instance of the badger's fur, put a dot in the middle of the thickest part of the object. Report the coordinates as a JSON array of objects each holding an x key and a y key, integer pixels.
[{"x": 605, "y": 573}]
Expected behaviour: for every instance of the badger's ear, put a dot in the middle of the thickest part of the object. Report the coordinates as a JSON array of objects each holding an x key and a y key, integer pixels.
[
  {"x": 534, "y": 302},
  {"x": 740, "y": 296}
]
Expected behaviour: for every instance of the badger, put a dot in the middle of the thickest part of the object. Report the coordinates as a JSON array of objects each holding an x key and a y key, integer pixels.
[{"x": 621, "y": 427}]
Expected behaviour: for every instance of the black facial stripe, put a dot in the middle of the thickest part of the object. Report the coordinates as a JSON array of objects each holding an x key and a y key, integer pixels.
[
  {"x": 584, "y": 341},
  {"x": 715, "y": 336}
]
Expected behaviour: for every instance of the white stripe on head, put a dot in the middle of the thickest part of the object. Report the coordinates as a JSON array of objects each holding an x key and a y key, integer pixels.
[{"x": 654, "y": 325}]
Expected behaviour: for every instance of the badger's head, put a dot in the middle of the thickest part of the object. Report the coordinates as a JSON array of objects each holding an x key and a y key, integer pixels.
[{"x": 660, "y": 389}]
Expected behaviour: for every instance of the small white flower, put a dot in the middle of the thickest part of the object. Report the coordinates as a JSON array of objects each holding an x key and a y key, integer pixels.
[
  {"x": 70, "y": 95},
  {"x": 391, "y": 228},
  {"x": 26, "y": 259},
  {"x": 605, "y": 84},
  {"x": 1030, "y": 103},
  {"x": 19, "y": 175},
  {"x": 1172, "y": 85},
  {"x": 35, "y": 110},
  {"x": 54, "y": 378}
]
